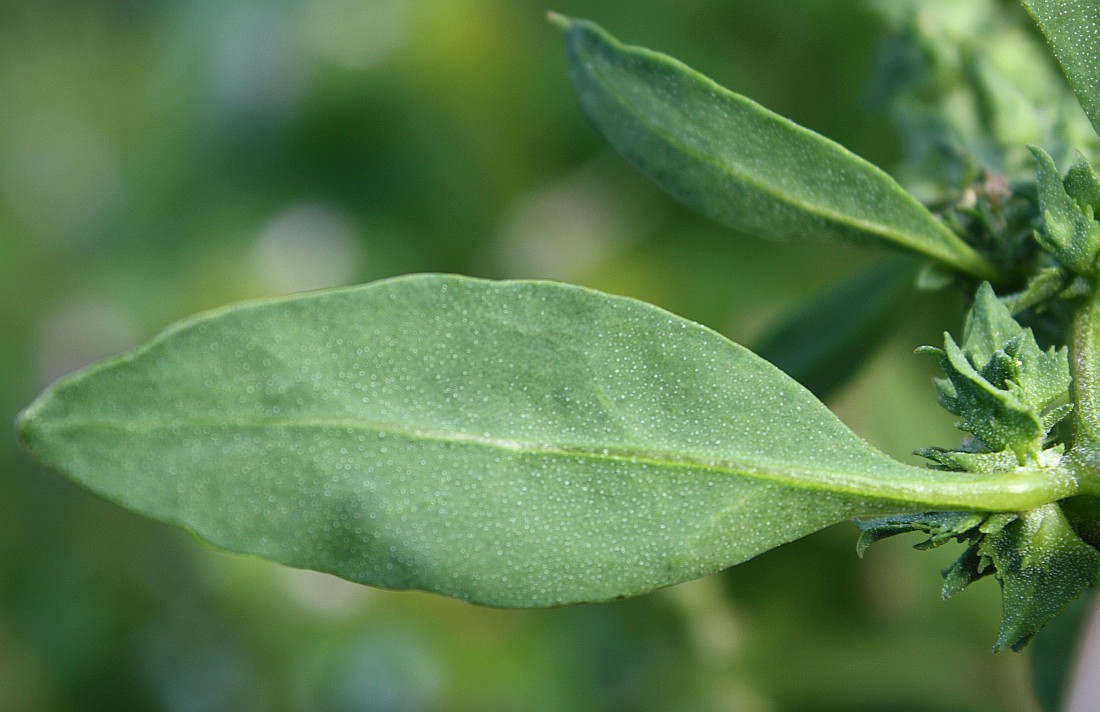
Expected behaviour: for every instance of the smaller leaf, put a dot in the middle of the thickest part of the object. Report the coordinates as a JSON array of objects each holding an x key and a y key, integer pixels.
[
  {"x": 965, "y": 570},
  {"x": 1038, "y": 558},
  {"x": 990, "y": 413},
  {"x": 1000, "y": 382},
  {"x": 989, "y": 326},
  {"x": 996, "y": 522},
  {"x": 1069, "y": 231},
  {"x": 1042, "y": 286},
  {"x": 962, "y": 461},
  {"x": 1042, "y": 565},
  {"x": 741, "y": 164},
  {"x": 940, "y": 526},
  {"x": 1082, "y": 184}
]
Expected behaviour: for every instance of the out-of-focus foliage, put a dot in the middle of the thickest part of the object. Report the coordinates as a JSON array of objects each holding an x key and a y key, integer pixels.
[
  {"x": 159, "y": 158},
  {"x": 970, "y": 85}
]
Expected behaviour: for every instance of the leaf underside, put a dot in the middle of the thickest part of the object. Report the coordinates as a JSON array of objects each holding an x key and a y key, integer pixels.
[{"x": 510, "y": 443}]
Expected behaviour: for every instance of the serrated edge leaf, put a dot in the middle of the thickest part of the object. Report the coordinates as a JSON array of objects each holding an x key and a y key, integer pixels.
[
  {"x": 1068, "y": 233},
  {"x": 1042, "y": 565}
]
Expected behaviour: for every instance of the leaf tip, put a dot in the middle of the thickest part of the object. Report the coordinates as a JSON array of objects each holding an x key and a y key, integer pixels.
[
  {"x": 558, "y": 20},
  {"x": 25, "y": 428},
  {"x": 1039, "y": 154}
]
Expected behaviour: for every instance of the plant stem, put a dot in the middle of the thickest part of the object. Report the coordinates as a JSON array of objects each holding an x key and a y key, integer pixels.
[{"x": 1084, "y": 363}]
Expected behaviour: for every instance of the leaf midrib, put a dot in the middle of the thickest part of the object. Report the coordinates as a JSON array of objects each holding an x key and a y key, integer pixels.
[
  {"x": 904, "y": 493},
  {"x": 959, "y": 259}
]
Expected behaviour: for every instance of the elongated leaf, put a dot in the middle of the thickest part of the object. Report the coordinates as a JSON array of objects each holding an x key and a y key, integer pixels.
[
  {"x": 741, "y": 164},
  {"x": 510, "y": 443},
  {"x": 1072, "y": 28}
]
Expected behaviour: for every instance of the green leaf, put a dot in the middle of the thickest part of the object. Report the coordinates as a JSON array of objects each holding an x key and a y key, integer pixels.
[
  {"x": 1000, "y": 381},
  {"x": 963, "y": 461},
  {"x": 1072, "y": 29},
  {"x": 965, "y": 570},
  {"x": 1041, "y": 563},
  {"x": 824, "y": 344},
  {"x": 1070, "y": 231},
  {"x": 989, "y": 326},
  {"x": 509, "y": 443},
  {"x": 1042, "y": 286},
  {"x": 1042, "y": 566},
  {"x": 940, "y": 526},
  {"x": 991, "y": 413},
  {"x": 1081, "y": 183},
  {"x": 741, "y": 164},
  {"x": 1036, "y": 377}
]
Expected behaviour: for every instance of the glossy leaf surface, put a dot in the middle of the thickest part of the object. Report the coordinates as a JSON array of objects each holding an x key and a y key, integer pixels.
[
  {"x": 1072, "y": 28},
  {"x": 741, "y": 164},
  {"x": 510, "y": 443}
]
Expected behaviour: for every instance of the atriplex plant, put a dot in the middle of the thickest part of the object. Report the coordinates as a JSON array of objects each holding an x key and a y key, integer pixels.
[{"x": 528, "y": 444}]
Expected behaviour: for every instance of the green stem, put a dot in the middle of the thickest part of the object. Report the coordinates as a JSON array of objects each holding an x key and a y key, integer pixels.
[{"x": 1085, "y": 367}]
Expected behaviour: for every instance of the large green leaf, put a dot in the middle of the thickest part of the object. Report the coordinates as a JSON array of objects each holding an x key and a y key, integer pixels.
[
  {"x": 510, "y": 443},
  {"x": 740, "y": 163},
  {"x": 1072, "y": 28}
]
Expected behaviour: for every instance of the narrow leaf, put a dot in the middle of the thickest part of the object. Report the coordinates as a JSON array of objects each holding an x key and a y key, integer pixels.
[
  {"x": 1041, "y": 287},
  {"x": 940, "y": 526},
  {"x": 741, "y": 164},
  {"x": 1072, "y": 29},
  {"x": 509, "y": 443},
  {"x": 963, "y": 571}
]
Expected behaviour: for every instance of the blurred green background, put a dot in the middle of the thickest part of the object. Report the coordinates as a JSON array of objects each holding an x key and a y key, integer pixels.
[{"x": 158, "y": 158}]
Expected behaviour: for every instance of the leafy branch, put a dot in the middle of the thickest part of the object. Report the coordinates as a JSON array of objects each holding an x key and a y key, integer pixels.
[{"x": 535, "y": 444}]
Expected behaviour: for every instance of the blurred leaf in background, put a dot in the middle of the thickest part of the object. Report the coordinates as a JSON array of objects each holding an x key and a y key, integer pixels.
[
  {"x": 164, "y": 157},
  {"x": 970, "y": 85}
]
